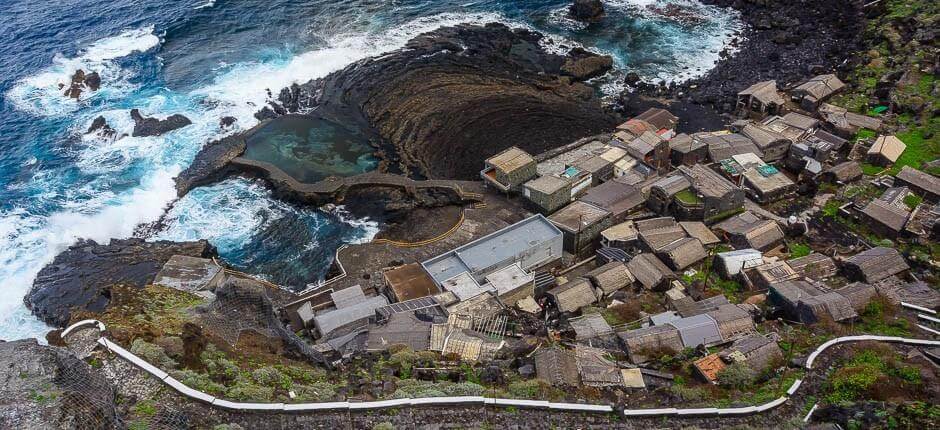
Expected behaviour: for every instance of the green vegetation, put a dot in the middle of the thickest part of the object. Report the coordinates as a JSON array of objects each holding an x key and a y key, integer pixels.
[
  {"x": 688, "y": 197},
  {"x": 737, "y": 375},
  {"x": 730, "y": 288},
  {"x": 866, "y": 373},
  {"x": 798, "y": 250},
  {"x": 913, "y": 201},
  {"x": 145, "y": 408},
  {"x": 879, "y": 317},
  {"x": 153, "y": 354}
]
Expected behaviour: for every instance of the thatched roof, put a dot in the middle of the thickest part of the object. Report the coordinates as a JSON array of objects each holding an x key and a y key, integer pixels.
[
  {"x": 876, "y": 264},
  {"x": 765, "y": 91},
  {"x": 683, "y": 253},
  {"x": 859, "y": 294},
  {"x": 921, "y": 180},
  {"x": 700, "y": 231},
  {"x": 557, "y": 366},
  {"x": 573, "y": 295},
  {"x": 611, "y": 277},
  {"x": 649, "y": 270}
]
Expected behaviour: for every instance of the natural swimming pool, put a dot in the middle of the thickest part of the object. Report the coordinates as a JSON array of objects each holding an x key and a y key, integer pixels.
[{"x": 311, "y": 149}]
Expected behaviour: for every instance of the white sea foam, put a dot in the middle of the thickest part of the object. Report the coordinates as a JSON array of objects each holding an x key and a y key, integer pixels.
[{"x": 41, "y": 94}]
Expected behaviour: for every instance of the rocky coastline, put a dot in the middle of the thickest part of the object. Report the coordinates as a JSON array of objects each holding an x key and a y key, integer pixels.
[{"x": 786, "y": 41}]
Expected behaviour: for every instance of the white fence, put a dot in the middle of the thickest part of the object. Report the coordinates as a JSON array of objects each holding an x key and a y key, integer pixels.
[{"x": 473, "y": 400}]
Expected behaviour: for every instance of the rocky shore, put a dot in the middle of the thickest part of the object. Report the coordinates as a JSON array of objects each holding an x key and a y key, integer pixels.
[
  {"x": 454, "y": 96},
  {"x": 80, "y": 278},
  {"x": 785, "y": 41}
]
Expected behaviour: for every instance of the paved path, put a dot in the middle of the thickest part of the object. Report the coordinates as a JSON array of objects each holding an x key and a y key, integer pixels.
[{"x": 470, "y": 400}]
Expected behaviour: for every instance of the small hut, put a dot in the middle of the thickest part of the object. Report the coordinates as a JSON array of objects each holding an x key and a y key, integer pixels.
[
  {"x": 611, "y": 277},
  {"x": 875, "y": 264}
]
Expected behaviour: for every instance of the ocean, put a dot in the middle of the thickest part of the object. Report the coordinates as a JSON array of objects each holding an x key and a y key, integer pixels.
[{"x": 207, "y": 59}]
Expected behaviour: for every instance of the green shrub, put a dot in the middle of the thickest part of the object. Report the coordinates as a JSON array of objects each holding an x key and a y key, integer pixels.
[
  {"x": 383, "y": 426},
  {"x": 153, "y": 354},
  {"x": 689, "y": 394},
  {"x": 528, "y": 389},
  {"x": 317, "y": 391},
  {"x": 404, "y": 360},
  {"x": 798, "y": 250},
  {"x": 245, "y": 390},
  {"x": 737, "y": 375},
  {"x": 464, "y": 389},
  {"x": 145, "y": 407},
  {"x": 199, "y": 381},
  {"x": 271, "y": 377}
]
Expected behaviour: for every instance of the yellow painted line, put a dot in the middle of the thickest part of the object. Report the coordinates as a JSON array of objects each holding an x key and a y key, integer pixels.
[{"x": 423, "y": 242}]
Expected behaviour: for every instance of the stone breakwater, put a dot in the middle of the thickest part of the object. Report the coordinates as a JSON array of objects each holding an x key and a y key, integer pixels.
[{"x": 454, "y": 96}]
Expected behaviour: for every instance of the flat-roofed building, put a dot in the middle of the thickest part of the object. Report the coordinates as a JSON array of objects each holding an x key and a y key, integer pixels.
[
  {"x": 509, "y": 169},
  {"x": 512, "y": 284},
  {"x": 772, "y": 144},
  {"x": 533, "y": 243},
  {"x": 410, "y": 281}
]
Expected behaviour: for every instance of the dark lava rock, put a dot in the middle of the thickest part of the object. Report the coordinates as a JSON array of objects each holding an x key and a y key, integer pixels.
[
  {"x": 491, "y": 375},
  {"x": 527, "y": 371},
  {"x": 455, "y": 96},
  {"x": 81, "y": 81},
  {"x": 632, "y": 79},
  {"x": 93, "y": 81},
  {"x": 101, "y": 126},
  {"x": 46, "y": 387},
  {"x": 782, "y": 38},
  {"x": 583, "y": 65},
  {"x": 80, "y": 277},
  {"x": 586, "y": 10},
  {"x": 210, "y": 164},
  {"x": 144, "y": 127},
  {"x": 227, "y": 122}
]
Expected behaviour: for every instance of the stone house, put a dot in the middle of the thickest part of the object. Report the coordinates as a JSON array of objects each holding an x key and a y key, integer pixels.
[
  {"x": 644, "y": 344},
  {"x": 610, "y": 277},
  {"x": 600, "y": 169},
  {"x": 772, "y": 144},
  {"x": 663, "y": 191},
  {"x": 618, "y": 198},
  {"x": 875, "y": 264},
  {"x": 842, "y": 173},
  {"x": 688, "y": 307},
  {"x": 830, "y": 305},
  {"x": 886, "y": 218},
  {"x": 847, "y": 124},
  {"x": 814, "y": 266},
  {"x": 686, "y": 151},
  {"x": 650, "y": 271},
  {"x": 401, "y": 329},
  {"x": 590, "y": 326},
  {"x": 746, "y": 230},
  {"x": 917, "y": 293},
  {"x": 621, "y": 236},
  {"x": 722, "y": 146},
  {"x": 758, "y": 351},
  {"x": 508, "y": 170},
  {"x": 733, "y": 321},
  {"x": 656, "y": 233},
  {"x": 548, "y": 193},
  {"x": 810, "y": 94},
  {"x": 794, "y": 126},
  {"x": 760, "y": 100},
  {"x": 682, "y": 253},
  {"x": 581, "y": 223},
  {"x": 885, "y": 151},
  {"x": 662, "y": 120},
  {"x": 920, "y": 182},
  {"x": 713, "y": 194},
  {"x": 573, "y": 295},
  {"x": 651, "y": 149},
  {"x": 557, "y": 366}
]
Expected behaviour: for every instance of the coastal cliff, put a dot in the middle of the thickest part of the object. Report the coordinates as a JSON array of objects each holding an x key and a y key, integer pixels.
[{"x": 457, "y": 95}]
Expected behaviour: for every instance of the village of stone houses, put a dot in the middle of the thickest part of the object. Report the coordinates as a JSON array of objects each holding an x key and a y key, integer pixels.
[{"x": 766, "y": 274}]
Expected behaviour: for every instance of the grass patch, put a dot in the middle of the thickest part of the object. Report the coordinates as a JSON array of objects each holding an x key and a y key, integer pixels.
[
  {"x": 688, "y": 197},
  {"x": 913, "y": 201},
  {"x": 798, "y": 250}
]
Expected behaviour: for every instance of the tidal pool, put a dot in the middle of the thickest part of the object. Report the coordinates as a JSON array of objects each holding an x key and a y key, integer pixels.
[{"x": 311, "y": 149}]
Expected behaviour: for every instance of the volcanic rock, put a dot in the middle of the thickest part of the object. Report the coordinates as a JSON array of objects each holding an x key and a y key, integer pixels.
[
  {"x": 583, "y": 65},
  {"x": 80, "y": 277},
  {"x": 144, "y": 127},
  {"x": 101, "y": 126},
  {"x": 227, "y": 122},
  {"x": 93, "y": 81},
  {"x": 46, "y": 387},
  {"x": 457, "y": 95},
  {"x": 210, "y": 164},
  {"x": 586, "y": 10},
  {"x": 81, "y": 81}
]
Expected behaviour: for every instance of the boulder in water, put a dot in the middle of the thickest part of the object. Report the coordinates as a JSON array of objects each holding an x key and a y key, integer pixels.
[
  {"x": 101, "y": 126},
  {"x": 144, "y": 126},
  {"x": 583, "y": 65},
  {"x": 586, "y": 10}
]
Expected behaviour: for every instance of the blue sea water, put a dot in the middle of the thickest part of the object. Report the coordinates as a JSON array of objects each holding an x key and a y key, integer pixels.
[{"x": 212, "y": 58}]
